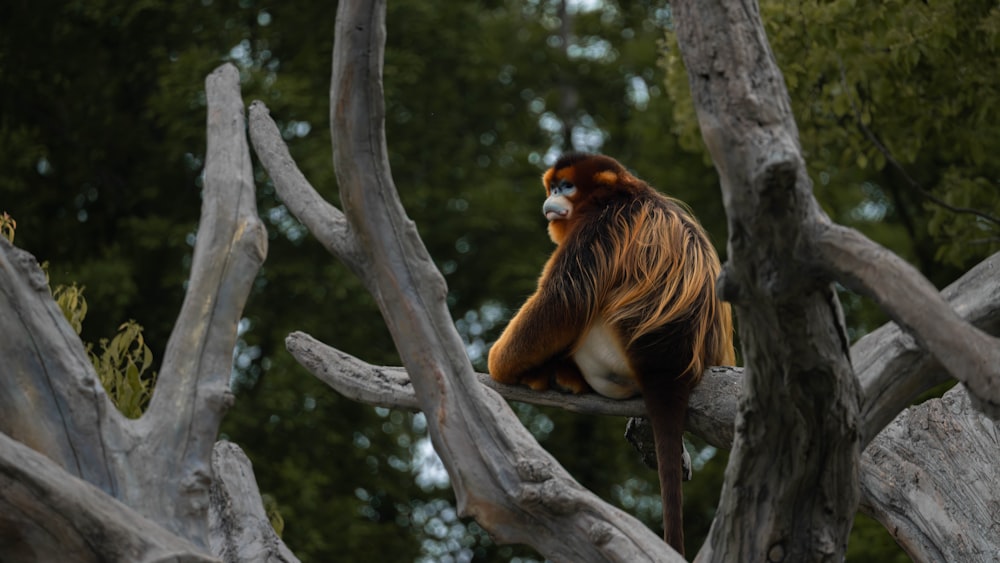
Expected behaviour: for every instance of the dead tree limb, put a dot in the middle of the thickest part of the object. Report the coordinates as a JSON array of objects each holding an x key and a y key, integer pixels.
[
  {"x": 52, "y": 401},
  {"x": 931, "y": 480},
  {"x": 791, "y": 487},
  {"x": 501, "y": 476}
]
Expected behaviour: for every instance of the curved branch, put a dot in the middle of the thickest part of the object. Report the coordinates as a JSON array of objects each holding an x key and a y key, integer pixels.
[
  {"x": 710, "y": 413},
  {"x": 46, "y": 514},
  {"x": 968, "y": 354},
  {"x": 323, "y": 220},
  {"x": 894, "y": 370}
]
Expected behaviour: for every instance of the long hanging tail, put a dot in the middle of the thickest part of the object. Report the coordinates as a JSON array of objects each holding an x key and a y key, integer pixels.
[{"x": 666, "y": 404}]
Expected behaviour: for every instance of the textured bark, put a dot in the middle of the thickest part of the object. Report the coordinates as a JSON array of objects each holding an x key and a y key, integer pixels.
[
  {"x": 239, "y": 529},
  {"x": 933, "y": 480},
  {"x": 894, "y": 369},
  {"x": 46, "y": 514},
  {"x": 52, "y": 401},
  {"x": 791, "y": 484}
]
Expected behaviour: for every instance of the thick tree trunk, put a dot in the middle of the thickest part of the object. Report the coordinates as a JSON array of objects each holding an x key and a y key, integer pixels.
[{"x": 51, "y": 400}]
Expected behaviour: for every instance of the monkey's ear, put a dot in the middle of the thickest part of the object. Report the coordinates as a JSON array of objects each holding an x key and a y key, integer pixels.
[{"x": 606, "y": 177}]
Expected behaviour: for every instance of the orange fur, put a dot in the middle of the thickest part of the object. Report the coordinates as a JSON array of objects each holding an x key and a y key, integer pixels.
[{"x": 638, "y": 263}]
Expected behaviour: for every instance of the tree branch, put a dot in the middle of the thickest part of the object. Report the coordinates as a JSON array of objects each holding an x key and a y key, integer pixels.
[
  {"x": 46, "y": 514},
  {"x": 894, "y": 370},
  {"x": 50, "y": 396},
  {"x": 791, "y": 484},
  {"x": 930, "y": 478},
  {"x": 710, "y": 413},
  {"x": 970, "y": 355},
  {"x": 323, "y": 220},
  {"x": 238, "y": 526}
]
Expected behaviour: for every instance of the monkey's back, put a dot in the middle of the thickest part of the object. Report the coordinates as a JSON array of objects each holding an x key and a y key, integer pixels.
[{"x": 656, "y": 272}]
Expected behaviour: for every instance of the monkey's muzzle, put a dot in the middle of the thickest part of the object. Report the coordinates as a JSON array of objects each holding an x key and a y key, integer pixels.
[{"x": 556, "y": 207}]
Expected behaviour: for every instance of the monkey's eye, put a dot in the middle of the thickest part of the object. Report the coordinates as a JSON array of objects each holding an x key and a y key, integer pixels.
[{"x": 563, "y": 188}]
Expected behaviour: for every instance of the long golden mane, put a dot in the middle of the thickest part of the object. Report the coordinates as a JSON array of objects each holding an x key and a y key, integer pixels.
[{"x": 660, "y": 267}]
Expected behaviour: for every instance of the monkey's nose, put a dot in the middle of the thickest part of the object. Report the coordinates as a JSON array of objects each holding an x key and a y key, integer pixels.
[{"x": 554, "y": 210}]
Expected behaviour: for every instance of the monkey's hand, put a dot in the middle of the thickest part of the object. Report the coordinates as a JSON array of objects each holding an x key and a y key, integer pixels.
[{"x": 561, "y": 374}]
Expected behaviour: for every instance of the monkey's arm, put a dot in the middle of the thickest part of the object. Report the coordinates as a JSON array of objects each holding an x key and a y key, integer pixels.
[{"x": 535, "y": 344}]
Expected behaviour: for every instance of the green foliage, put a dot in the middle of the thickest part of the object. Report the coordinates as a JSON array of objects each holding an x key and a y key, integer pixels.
[
  {"x": 7, "y": 227},
  {"x": 123, "y": 365},
  {"x": 273, "y": 511},
  {"x": 72, "y": 303},
  {"x": 897, "y": 116}
]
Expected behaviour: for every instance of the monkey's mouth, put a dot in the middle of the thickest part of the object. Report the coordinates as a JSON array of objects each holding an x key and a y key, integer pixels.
[{"x": 554, "y": 211}]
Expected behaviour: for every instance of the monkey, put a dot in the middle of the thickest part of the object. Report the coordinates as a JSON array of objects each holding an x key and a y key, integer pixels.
[{"x": 625, "y": 306}]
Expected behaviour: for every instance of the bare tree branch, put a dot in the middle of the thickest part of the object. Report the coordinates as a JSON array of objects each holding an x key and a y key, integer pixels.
[
  {"x": 800, "y": 400},
  {"x": 931, "y": 480},
  {"x": 710, "y": 414},
  {"x": 325, "y": 221},
  {"x": 970, "y": 355},
  {"x": 52, "y": 400},
  {"x": 50, "y": 397},
  {"x": 46, "y": 514},
  {"x": 239, "y": 528},
  {"x": 894, "y": 369}
]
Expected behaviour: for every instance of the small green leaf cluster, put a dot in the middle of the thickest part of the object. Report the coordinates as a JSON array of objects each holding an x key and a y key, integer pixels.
[{"x": 123, "y": 363}]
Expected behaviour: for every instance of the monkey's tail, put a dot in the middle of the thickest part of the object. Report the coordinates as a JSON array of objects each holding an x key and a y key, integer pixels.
[{"x": 666, "y": 404}]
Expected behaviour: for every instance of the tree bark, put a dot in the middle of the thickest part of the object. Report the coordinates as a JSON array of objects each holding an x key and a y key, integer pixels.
[
  {"x": 932, "y": 480},
  {"x": 239, "y": 529},
  {"x": 52, "y": 401},
  {"x": 791, "y": 484},
  {"x": 47, "y": 514},
  {"x": 501, "y": 476}
]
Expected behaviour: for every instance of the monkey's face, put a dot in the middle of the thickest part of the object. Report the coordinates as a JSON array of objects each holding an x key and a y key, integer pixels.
[
  {"x": 579, "y": 182},
  {"x": 559, "y": 205},
  {"x": 562, "y": 196}
]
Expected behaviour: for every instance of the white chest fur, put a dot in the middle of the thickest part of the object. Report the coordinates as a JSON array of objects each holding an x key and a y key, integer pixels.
[{"x": 601, "y": 359}]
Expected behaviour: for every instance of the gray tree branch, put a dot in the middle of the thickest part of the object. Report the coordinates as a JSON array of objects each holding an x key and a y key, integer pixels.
[
  {"x": 52, "y": 401},
  {"x": 969, "y": 355},
  {"x": 930, "y": 477},
  {"x": 325, "y": 221},
  {"x": 894, "y": 369},
  {"x": 791, "y": 486},
  {"x": 239, "y": 528},
  {"x": 501, "y": 476},
  {"x": 47, "y": 514}
]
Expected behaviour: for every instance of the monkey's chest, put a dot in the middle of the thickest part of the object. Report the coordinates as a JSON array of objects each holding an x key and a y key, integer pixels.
[{"x": 603, "y": 363}]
